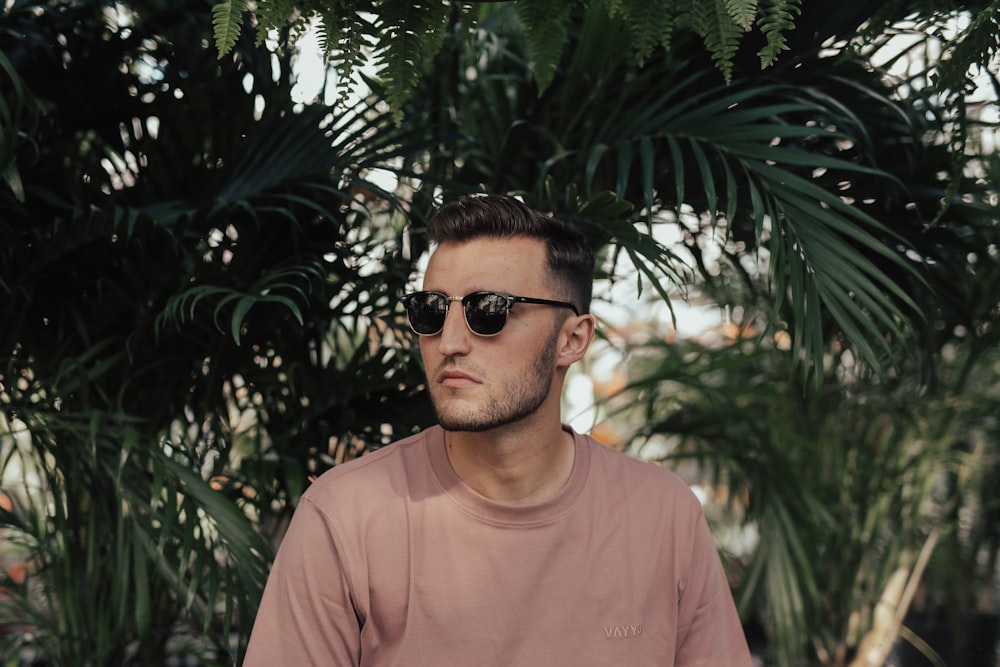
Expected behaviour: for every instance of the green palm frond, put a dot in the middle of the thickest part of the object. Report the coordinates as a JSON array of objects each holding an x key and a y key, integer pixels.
[
  {"x": 780, "y": 571},
  {"x": 827, "y": 538},
  {"x": 225, "y": 529},
  {"x": 287, "y": 287},
  {"x": 725, "y": 144},
  {"x": 615, "y": 7},
  {"x": 102, "y": 573},
  {"x": 748, "y": 158},
  {"x": 609, "y": 221},
  {"x": 18, "y": 115}
]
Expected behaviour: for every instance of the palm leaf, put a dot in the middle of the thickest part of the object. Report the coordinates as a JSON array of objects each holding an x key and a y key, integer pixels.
[{"x": 18, "y": 113}]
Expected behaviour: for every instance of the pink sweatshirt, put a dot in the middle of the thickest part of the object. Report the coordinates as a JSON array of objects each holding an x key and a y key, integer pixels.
[{"x": 392, "y": 560}]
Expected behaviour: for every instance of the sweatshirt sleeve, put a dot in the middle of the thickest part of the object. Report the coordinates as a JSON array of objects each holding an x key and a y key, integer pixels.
[
  {"x": 709, "y": 632},
  {"x": 307, "y": 616}
]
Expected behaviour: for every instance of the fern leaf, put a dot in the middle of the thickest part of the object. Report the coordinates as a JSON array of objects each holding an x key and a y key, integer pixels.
[
  {"x": 615, "y": 7},
  {"x": 279, "y": 14},
  {"x": 777, "y": 18},
  {"x": 227, "y": 22},
  {"x": 347, "y": 37},
  {"x": 433, "y": 26},
  {"x": 711, "y": 21},
  {"x": 975, "y": 46},
  {"x": 683, "y": 15},
  {"x": 700, "y": 17},
  {"x": 544, "y": 25},
  {"x": 650, "y": 23},
  {"x": 410, "y": 35},
  {"x": 742, "y": 12}
]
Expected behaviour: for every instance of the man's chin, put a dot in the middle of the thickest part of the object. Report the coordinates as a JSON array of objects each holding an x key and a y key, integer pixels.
[
  {"x": 464, "y": 425},
  {"x": 452, "y": 420},
  {"x": 479, "y": 423}
]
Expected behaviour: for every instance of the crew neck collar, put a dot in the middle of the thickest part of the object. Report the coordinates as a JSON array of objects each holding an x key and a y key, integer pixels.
[{"x": 500, "y": 513}]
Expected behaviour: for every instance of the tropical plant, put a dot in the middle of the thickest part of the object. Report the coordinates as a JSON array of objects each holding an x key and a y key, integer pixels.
[
  {"x": 403, "y": 37},
  {"x": 763, "y": 160},
  {"x": 849, "y": 488},
  {"x": 207, "y": 272},
  {"x": 192, "y": 271},
  {"x": 867, "y": 493},
  {"x": 865, "y": 490},
  {"x": 118, "y": 535},
  {"x": 827, "y": 139}
]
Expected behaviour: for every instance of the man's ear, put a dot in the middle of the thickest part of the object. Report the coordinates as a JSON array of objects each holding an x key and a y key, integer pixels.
[{"x": 575, "y": 336}]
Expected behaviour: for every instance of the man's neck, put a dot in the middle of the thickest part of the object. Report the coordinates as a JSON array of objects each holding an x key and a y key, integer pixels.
[{"x": 517, "y": 465}]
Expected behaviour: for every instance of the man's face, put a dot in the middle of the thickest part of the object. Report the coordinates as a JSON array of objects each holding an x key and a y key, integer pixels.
[{"x": 479, "y": 383}]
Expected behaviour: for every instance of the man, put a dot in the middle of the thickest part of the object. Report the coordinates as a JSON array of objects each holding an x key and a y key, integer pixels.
[{"x": 499, "y": 537}]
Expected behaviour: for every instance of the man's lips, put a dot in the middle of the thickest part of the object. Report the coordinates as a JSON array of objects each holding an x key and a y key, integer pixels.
[{"x": 454, "y": 378}]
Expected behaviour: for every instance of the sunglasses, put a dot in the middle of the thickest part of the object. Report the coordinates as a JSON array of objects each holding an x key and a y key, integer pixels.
[{"x": 485, "y": 312}]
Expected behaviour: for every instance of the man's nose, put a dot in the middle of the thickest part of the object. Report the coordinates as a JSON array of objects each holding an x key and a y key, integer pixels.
[{"x": 455, "y": 333}]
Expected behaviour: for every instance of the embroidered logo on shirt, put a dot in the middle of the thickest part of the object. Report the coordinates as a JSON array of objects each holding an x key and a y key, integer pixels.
[{"x": 622, "y": 631}]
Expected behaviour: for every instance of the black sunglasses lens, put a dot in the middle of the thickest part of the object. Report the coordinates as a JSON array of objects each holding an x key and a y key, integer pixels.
[
  {"x": 486, "y": 312},
  {"x": 426, "y": 312}
]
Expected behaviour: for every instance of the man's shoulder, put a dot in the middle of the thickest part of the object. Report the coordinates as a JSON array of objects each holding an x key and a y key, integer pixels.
[
  {"x": 636, "y": 475},
  {"x": 372, "y": 472}
]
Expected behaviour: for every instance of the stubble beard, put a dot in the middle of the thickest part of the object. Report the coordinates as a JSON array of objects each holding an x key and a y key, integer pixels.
[{"x": 520, "y": 398}]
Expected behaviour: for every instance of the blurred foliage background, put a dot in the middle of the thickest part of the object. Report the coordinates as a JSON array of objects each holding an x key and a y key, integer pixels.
[{"x": 201, "y": 260}]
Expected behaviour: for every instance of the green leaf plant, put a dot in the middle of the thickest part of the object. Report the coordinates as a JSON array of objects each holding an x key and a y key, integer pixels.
[
  {"x": 866, "y": 494},
  {"x": 402, "y": 38},
  {"x": 190, "y": 289},
  {"x": 796, "y": 167},
  {"x": 118, "y": 535}
]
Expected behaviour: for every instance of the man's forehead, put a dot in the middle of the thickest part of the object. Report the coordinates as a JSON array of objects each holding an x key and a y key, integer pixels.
[{"x": 520, "y": 260}]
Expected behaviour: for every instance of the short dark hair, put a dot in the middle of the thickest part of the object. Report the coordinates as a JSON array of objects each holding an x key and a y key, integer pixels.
[{"x": 570, "y": 259}]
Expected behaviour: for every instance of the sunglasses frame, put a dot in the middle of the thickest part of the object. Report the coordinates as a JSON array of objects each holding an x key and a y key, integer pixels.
[{"x": 509, "y": 299}]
